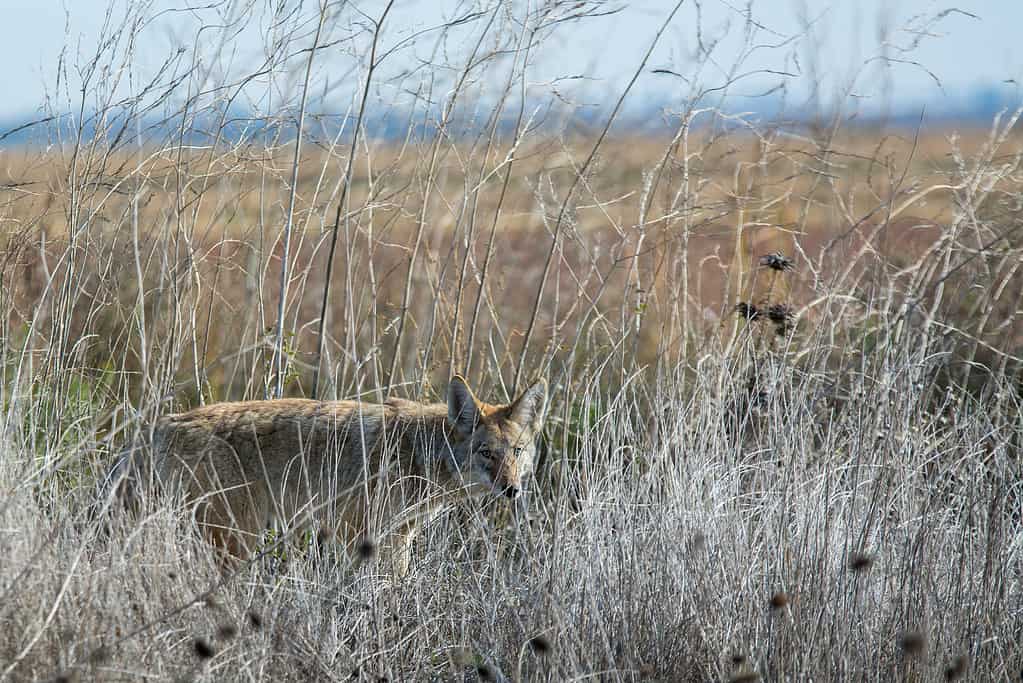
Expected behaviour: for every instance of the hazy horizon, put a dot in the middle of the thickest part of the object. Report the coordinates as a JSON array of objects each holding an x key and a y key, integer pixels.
[{"x": 815, "y": 51}]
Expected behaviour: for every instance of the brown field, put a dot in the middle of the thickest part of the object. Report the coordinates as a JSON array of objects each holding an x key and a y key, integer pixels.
[
  {"x": 657, "y": 244},
  {"x": 785, "y": 414}
]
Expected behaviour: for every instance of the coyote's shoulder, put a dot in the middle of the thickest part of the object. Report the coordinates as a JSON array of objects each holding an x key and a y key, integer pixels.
[{"x": 357, "y": 468}]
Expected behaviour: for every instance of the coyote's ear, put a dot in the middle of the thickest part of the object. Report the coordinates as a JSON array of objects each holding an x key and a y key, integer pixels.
[
  {"x": 528, "y": 409},
  {"x": 463, "y": 408}
]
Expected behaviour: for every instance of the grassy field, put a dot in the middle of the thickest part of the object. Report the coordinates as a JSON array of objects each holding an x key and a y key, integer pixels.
[{"x": 786, "y": 408}]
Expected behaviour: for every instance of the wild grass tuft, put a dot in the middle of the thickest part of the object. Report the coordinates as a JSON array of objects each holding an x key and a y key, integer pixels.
[{"x": 722, "y": 424}]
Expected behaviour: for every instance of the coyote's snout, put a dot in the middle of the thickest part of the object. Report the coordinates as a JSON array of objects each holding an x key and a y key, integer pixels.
[{"x": 358, "y": 469}]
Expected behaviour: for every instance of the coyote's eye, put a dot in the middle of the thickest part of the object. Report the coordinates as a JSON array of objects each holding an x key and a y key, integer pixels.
[
  {"x": 485, "y": 453},
  {"x": 518, "y": 451}
]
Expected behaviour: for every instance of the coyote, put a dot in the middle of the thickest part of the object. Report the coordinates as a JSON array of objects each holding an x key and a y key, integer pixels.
[{"x": 357, "y": 470}]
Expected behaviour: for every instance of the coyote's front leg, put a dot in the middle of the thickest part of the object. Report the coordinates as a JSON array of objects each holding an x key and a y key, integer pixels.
[{"x": 396, "y": 554}]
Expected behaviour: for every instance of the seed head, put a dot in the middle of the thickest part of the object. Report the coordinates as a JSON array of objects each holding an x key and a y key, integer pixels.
[
  {"x": 255, "y": 619},
  {"x": 747, "y": 310},
  {"x": 860, "y": 562},
  {"x": 912, "y": 642},
  {"x": 540, "y": 645},
  {"x": 956, "y": 668},
  {"x": 779, "y": 314},
  {"x": 227, "y": 631},
  {"x": 777, "y": 261},
  {"x": 203, "y": 650},
  {"x": 779, "y": 600},
  {"x": 367, "y": 548}
]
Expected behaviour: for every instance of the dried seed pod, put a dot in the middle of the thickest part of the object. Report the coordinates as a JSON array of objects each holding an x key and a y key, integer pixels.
[
  {"x": 779, "y": 314},
  {"x": 777, "y": 261},
  {"x": 912, "y": 642},
  {"x": 747, "y": 311},
  {"x": 860, "y": 562},
  {"x": 203, "y": 650},
  {"x": 540, "y": 645}
]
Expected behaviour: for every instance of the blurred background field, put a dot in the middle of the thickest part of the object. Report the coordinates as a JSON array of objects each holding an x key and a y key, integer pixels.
[
  {"x": 778, "y": 304},
  {"x": 864, "y": 213}
]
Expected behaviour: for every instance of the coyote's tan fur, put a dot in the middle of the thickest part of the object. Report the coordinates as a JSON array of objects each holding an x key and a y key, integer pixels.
[{"x": 357, "y": 469}]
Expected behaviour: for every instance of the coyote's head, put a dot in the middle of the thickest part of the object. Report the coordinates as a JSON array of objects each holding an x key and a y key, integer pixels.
[{"x": 496, "y": 445}]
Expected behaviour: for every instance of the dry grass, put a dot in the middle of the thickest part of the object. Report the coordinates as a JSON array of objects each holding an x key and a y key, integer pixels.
[{"x": 827, "y": 485}]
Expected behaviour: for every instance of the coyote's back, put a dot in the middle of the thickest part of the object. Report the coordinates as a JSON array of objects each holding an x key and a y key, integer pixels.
[{"x": 359, "y": 469}]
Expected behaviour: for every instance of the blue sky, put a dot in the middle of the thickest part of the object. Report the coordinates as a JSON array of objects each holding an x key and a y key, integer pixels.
[{"x": 963, "y": 52}]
